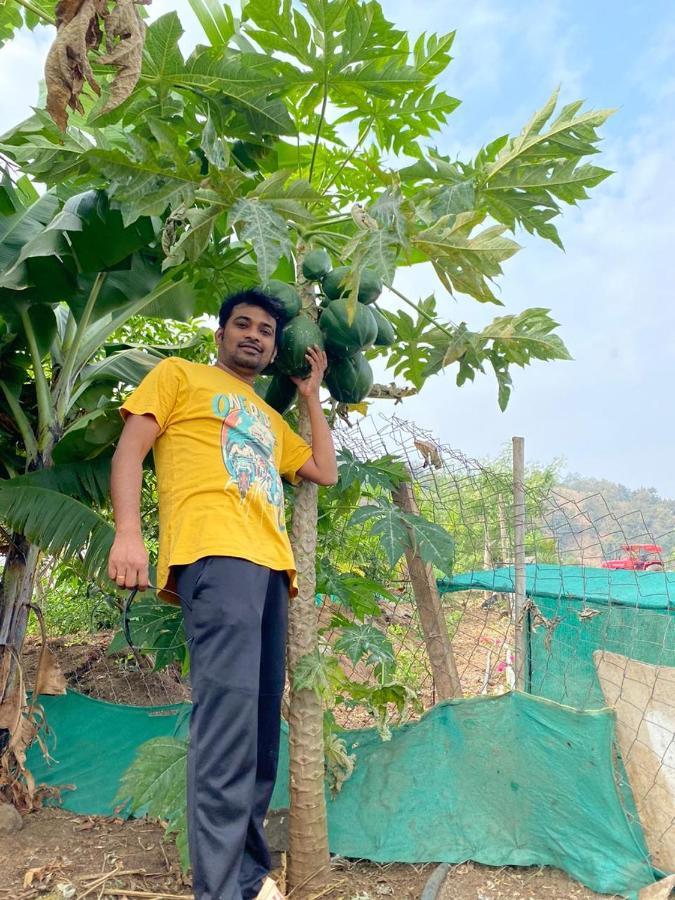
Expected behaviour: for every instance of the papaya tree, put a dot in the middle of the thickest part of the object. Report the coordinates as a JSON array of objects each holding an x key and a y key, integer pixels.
[{"x": 296, "y": 145}]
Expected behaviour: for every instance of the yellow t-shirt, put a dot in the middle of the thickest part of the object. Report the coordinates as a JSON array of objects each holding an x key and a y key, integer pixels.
[{"x": 219, "y": 456}]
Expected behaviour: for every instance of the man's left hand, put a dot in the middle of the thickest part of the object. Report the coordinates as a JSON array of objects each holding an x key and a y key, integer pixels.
[{"x": 309, "y": 387}]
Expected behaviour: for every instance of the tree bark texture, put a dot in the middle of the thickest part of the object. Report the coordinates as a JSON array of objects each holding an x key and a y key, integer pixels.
[
  {"x": 308, "y": 858},
  {"x": 16, "y": 591}
]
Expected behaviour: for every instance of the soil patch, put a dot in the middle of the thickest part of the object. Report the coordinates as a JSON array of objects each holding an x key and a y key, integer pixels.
[{"x": 56, "y": 847}]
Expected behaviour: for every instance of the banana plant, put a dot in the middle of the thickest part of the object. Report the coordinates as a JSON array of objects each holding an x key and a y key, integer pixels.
[{"x": 72, "y": 275}]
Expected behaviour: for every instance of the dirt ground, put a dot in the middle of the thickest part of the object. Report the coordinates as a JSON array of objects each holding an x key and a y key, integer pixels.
[{"x": 61, "y": 856}]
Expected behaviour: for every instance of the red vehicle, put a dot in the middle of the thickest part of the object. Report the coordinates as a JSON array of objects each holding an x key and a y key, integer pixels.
[{"x": 640, "y": 557}]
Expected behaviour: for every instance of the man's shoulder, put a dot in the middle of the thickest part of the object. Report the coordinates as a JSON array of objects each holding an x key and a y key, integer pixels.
[{"x": 184, "y": 367}]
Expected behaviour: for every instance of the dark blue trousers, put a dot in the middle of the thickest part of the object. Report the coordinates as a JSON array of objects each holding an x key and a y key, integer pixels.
[{"x": 235, "y": 623}]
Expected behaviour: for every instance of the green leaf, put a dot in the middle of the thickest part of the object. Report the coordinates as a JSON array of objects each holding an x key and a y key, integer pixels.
[
  {"x": 365, "y": 642},
  {"x": 399, "y": 531},
  {"x": 126, "y": 366},
  {"x": 13, "y": 17},
  {"x": 508, "y": 340},
  {"x": 157, "y": 628},
  {"x": 81, "y": 479},
  {"x": 249, "y": 80},
  {"x": 90, "y": 436},
  {"x": 215, "y": 148},
  {"x": 161, "y": 55},
  {"x": 319, "y": 672},
  {"x": 388, "y": 524},
  {"x": 97, "y": 234},
  {"x": 216, "y": 19},
  {"x": 156, "y": 784},
  {"x": 523, "y": 181},
  {"x": 266, "y": 231},
  {"x": 20, "y": 221},
  {"x": 359, "y": 594},
  {"x": 432, "y": 542},
  {"x": 59, "y": 525},
  {"x": 466, "y": 263},
  {"x": 385, "y": 473},
  {"x": 410, "y": 355},
  {"x": 142, "y": 183}
]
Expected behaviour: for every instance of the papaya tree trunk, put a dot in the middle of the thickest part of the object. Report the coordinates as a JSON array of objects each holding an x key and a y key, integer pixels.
[
  {"x": 16, "y": 591},
  {"x": 308, "y": 858}
]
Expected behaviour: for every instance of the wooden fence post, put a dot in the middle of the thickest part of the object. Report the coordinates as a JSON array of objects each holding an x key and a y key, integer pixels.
[{"x": 437, "y": 639}]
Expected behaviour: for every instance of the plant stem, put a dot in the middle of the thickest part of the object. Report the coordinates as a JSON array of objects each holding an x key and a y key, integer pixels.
[
  {"x": 21, "y": 420},
  {"x": 44, "y": 402},
  {"x": 425, "y": 315},
  {"x": 63, "y": 385},
  {"x": 36, "y": 11},
  {"x": 349, "y": 156},
  {"x": 318, "y": 129}
]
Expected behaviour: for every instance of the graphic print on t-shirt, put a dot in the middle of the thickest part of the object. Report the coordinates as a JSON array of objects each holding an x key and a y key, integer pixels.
[{"x": 247, "y": 444}]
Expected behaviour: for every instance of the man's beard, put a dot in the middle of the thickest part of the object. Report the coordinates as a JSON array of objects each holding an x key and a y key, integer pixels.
[{"x": 254, "y": 363}]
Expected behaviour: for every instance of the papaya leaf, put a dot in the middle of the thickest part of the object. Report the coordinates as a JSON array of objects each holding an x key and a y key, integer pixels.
[
  {"x": 354, "y": 591},
  {"x": 143, "y": 184},
  {"x": 365, "y": 642},
  {"x": 321, "y": 673},
  {"x": 161, "y": 54},
  {"x": 156, "y": 784},
  {"x": 466, "y": 262},
  {"x": 385, "y": 473},
  {"x": 508, "y": 340},
  {"x": 432, "y": 542},
  {"x": 266, "y": 231},
  {"x": 216, "y": 19},
  {"x": 399, "y": 531},
  {"x": 250, "y": 80},
  {"x": 157, "y": 628},
  {"x": 523, "y": 182},
  {"x": 411, "y": 353}
]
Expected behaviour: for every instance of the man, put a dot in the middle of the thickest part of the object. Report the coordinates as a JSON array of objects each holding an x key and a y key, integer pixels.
[{"x": 224, "y": 551}]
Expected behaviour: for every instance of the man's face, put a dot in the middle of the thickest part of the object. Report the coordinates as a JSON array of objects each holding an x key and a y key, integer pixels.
[{"x": 246, "y": 341}]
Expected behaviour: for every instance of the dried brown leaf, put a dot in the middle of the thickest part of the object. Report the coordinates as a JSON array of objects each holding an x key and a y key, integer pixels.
[
  {"x": 430, "y": 453},
  {"x": 124, "y": 36},
  {"x": 10, "y": 710},
  {"x": 67, "y": 66},
  {"x": 49, "y": 679},
  {"x": 67, "y": 10},
  {"x": 42, "y": 874}
]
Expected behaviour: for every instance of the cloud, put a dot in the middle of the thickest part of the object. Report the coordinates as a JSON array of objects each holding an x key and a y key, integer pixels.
[{"x": 21, "y": 63}]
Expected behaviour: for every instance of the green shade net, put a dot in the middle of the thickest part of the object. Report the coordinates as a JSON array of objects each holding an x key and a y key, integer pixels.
[
  {"x": 631, "y": 613},
  {"x": 502, "y": 780}
]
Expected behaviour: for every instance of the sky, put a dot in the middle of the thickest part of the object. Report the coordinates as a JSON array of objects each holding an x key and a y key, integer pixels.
[{"x": 609, "y": 412}]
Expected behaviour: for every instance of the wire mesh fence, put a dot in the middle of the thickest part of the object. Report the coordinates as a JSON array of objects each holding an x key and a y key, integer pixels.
[{"x": 595, "y": 628}]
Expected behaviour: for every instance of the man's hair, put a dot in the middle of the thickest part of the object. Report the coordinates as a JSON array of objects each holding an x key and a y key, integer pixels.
[{"x": 255, "y": 297}]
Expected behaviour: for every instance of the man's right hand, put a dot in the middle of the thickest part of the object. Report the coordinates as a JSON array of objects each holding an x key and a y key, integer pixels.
[{"x": 128, "y": 562}]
